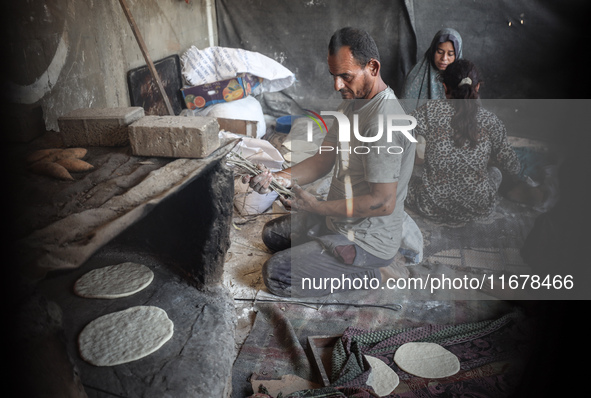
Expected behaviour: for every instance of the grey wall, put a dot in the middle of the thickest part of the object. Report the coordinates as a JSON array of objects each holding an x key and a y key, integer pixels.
[{"x": 61, "y": 55}]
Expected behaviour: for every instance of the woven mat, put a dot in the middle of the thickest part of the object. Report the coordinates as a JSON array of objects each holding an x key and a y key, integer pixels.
[
  {"x": 277, "y": 344},
  {"x": 491, "y": 355}
]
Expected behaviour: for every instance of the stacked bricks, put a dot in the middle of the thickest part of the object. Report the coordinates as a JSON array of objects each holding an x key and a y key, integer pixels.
[
  {"x": 98, "y": 126},
  {"x": 174, "y": 136}
]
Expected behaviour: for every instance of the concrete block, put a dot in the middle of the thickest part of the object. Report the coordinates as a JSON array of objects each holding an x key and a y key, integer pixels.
[
  {"x": 98, "y": 126},
  {"x": 174, "y": 136}
]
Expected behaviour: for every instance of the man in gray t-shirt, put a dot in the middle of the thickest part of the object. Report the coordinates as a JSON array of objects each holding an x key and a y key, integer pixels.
[
  {"x": 364, "y": 164},
  {"x": 350, "y": 239}
]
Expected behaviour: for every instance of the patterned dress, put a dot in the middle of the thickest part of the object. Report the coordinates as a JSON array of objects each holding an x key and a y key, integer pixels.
[{"x": 455, "y": 185}]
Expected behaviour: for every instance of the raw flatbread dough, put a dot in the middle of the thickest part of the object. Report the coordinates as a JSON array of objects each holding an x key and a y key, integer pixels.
[
  {"x": 382, "y": 378},
  {"x": 125, "y": 336},
  {"x": 427, "y": 360},
  {"x": 114, "y": 281}
]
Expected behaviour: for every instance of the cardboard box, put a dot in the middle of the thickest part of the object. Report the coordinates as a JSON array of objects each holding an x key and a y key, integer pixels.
[
  {"x": 221, "y": 91},
  {"x": 239, "y": 126}
]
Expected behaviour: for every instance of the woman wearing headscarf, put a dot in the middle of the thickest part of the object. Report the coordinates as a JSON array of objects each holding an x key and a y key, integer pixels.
[
  {"x": 465, "y": 147},
  {"x": 421, "y": 83}
]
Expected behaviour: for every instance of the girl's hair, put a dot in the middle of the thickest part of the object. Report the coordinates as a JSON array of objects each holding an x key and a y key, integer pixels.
[{"x": 461, "y": 78}]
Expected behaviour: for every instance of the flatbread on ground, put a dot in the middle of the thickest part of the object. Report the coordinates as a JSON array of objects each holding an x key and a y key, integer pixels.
[
  {"x": 427, "y": 360},
  {"x": 125, "y": 336},
  {"x": 382, "y": 378},
  {"x": 114, "y": 281}
]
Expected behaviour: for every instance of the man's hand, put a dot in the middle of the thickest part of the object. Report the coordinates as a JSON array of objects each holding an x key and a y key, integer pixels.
[
  {"x": 304, "y": 201},
  {"x": 286, "y": 202},
  {"x": 260, "y": 183}
]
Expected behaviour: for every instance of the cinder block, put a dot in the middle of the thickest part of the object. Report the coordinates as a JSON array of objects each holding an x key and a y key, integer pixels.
[
  {"x": 174, "y": 136},
  {"x": 98, "y": 126}
]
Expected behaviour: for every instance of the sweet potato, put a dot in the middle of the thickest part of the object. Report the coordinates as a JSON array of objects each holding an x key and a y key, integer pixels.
[
  {"x": 51, "y": 155},
  {"x": 40, "y": 154},
  {"x": 77, "y": 153},
  {"x": 74, "y": 164},
  {"x": 51, "y": 169}
]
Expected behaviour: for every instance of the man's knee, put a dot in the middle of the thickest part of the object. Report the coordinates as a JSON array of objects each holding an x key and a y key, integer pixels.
[
  {"x": 276, "y": 233},
  {"x": 276, "y": 274}
]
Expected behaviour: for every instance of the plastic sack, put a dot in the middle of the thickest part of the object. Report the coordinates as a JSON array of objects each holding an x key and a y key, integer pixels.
[
  {"x": 256, "y": 150},
  {"x": 213, "y": 64},
  {"x": 247, "y": 201}
]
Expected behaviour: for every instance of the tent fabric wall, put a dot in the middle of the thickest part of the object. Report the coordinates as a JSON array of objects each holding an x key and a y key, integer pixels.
[
  {"x": 534, "y": 59},
  {"x": 296, "y": 34},
  {"x": 525, "y": 49}
]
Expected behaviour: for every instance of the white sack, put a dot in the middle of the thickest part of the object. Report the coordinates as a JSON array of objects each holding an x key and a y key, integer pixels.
[
  {"x": 247, "y": 201},
  {"x": 256, "y": 150},
  {"x": 213, "y": 64}
]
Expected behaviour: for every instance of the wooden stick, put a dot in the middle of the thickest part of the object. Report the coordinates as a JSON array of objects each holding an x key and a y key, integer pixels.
[{"x": 142, "y": 45}]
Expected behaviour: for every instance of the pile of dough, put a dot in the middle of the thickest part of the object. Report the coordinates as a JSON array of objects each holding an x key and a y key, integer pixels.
[
  {"x": 125, "y": 336},
  {"x": 114, "y": 281},
  {"x": 427, "y": 360}
]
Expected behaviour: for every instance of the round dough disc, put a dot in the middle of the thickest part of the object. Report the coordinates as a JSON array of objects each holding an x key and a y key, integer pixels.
[
  {"x": 427, "y": 360},
  {"x": 125, "y": 336},
  {"x": 382, "y": 378},
  {"x": 114, "y": 281}
]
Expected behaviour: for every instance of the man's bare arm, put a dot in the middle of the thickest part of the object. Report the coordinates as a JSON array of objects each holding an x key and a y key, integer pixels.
[{"x": 381, "y": 201}]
